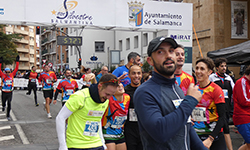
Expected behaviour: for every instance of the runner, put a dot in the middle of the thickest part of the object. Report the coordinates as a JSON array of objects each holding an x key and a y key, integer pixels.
[
  {"x": 67, "y": 86},
  {"x": 7, "y": 86},
  {"x": 84, "y": 111},
  {"x": 47, "y": 78},
  {"x": 209, "y": 114},
  {"x": 32, "y": 76},
  {"x": 114, "y": 119}
]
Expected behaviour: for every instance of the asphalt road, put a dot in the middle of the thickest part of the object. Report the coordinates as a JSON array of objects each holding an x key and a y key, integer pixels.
[{"x": 31, "y": 130}]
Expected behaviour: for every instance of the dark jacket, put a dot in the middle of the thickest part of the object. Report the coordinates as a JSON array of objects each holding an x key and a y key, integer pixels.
[{"x": 163, "y": 126}]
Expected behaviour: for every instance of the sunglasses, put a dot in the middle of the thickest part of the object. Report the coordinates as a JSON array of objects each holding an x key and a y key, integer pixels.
[{"x": 112, "y": 81}]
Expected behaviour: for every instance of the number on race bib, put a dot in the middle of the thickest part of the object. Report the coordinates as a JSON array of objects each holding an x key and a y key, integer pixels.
[{"x": 91, "y": 128}]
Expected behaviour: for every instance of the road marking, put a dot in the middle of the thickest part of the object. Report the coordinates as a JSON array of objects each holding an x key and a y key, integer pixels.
[
  {"x": 19, "y": 130},
  {"x": 9, "y": 137},
  {"x": 2, "y": 114},
  {"x": 5, "y": 127},
  {"x": 1, "y": 120}
]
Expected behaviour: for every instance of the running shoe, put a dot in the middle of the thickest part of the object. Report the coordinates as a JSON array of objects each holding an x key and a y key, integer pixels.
[
  {"x": 49, "y": 116},
  {"x": 27, "y": 93},
  {"x": 37, "y": 104},
  {"x": 8, "y": 118},
  {"x": 3, "y": 108}
]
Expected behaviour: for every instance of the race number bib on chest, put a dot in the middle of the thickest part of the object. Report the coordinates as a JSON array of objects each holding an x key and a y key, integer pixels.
[
  {"x": 48, "y": 81},
  {"x": 132, "y": 115},
  {"x": 118, "y": 121},
  {"x": 91, "y": 128},
  {"x": 8, "y": 82},
  {"x": 199, "y": 114},
  {"x": 33, "y": 80},
  {"x": 70, "y": 92},
  {"x": 177, "y": 103},
  {"x": 225, "y": 91}
]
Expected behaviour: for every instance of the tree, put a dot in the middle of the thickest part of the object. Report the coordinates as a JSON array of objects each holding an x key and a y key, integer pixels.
[{"x": 7, "y": 46}]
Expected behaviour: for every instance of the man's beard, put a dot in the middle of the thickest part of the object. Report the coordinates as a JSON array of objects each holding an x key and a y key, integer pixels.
[
  {"x": 165, "y": 71},
  {"x": 68, "y": 77}
]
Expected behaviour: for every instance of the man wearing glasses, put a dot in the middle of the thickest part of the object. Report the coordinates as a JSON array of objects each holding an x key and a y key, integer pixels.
[
  {"x": 84, "y": 110},
  {"x": 7, "y": 86}
]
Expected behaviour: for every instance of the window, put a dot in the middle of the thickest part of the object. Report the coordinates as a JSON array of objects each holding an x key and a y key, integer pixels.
[
  {"x": 127, "y": 43},
  {"x": 32, "y": 56},
  {"x": 145, "y": 39},
  {"x": 31, "y": 29},
  {"x": 99, "y": 46},
  {"x": 32, "y": 47},
  {"x": 23, "y": 46},
  {"x": 31, "y": 38},
  {"x": 120, "y": 45},
  {"x": 22, "y": 28},
  {"x": 136, "y": 42}
]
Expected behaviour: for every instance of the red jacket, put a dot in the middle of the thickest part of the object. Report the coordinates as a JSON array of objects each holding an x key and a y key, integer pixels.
[{"x": 241, "y": 98}]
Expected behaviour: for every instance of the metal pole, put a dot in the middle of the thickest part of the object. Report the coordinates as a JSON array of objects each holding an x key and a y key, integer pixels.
[{"x": 61, "y": 56}]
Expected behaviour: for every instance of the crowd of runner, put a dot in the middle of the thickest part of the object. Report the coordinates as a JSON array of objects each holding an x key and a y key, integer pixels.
[{"x": 128, "y": 109}]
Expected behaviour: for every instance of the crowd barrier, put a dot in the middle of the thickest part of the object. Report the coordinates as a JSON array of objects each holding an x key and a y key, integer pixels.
[{"x": 22, "y": 83}]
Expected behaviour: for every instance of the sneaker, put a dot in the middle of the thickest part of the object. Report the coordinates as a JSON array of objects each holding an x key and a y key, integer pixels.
[
  {"x": 49, "y": 116},
  {"x": 8, "y": 118},
  {"x": 37, "y": 104},
  {"x": 3, "y": 108},
  {"x": 27, "y": 93},
  {"x": 44, "y": 108}
]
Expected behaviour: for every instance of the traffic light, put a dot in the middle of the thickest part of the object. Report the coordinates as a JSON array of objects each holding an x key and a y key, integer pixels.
[
  {"x": 79, "y": 63},
  {"x": 38, "y": 29}
]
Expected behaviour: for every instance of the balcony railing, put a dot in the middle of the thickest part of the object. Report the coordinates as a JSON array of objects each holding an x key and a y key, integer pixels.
[
  {"x": 45, "y": 51},
  {"x": 22, "y": 41},
  {"x": 24, "y": 50},
  {"x": 44, "y": 40},
  {"x": 16, "y": 30}
]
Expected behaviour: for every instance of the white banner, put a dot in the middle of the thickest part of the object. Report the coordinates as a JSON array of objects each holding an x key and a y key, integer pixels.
[
  {"x": 109, "y": 13},
  {"x": 21, "y": 82}
]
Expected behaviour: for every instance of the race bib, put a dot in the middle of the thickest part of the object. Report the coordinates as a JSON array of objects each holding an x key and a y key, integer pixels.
[
  {"x": 225, "y": 91},
  {"x": 8, "y": 82},
  {"x": 48, "y": 81},
  {"x": 132, "y": 115},
  {"x": 33, "y": 80},
  {"x": 91, "y": 128},
  {"x": 118, "y": 121},
  {"x": 199, "y": 114},
  {"x": 177, "y": 102},
  {"x": 70, "y": 92}
]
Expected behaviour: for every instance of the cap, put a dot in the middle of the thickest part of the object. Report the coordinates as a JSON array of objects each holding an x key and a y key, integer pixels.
[
  {"x": 7, "y": 69},
  {"x": 155, "y": 43}
]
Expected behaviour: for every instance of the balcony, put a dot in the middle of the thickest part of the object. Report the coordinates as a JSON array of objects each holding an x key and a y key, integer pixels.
[
  {"x": 24, "y": 50},
  {"x": 32, "y": 60},
  {"x": 32, "y": 51},
  {"x": 32, "y": 34},
  {"x": 23, "y": 67},
  {"x": 37, "y": 63},
  {"x": 32, "y": 42},
  {"x": 45, "y": 51},
  {"x": 9, "y": 29},
  {"x": 52, "y": 51},
  {"x": 37, "y": 55},
  {"x": 16, "y": 30},
  {"x": 23, "y": 41},
  {"x": 24, "y": 58}
]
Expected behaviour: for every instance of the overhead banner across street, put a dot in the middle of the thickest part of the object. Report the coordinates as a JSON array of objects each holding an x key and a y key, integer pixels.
[{"x": 98, "y": 13}]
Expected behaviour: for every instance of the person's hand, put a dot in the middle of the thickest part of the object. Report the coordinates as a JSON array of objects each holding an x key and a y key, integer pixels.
[
  {"x": 123, "y": 76},
  {"x": 17, "y": 58},
  {"x": 207, "y": 143},
  {"x": 193, "y": 91},
  {"x": 54, "y": 102},
  {"x": 1, "y": 59}
]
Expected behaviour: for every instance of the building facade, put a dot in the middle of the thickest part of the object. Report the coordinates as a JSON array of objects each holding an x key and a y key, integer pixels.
[{"x": 26, "y": 46}]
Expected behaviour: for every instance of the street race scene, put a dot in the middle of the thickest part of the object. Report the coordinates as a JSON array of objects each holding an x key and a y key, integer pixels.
[{"x": 124, "y": 75}]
